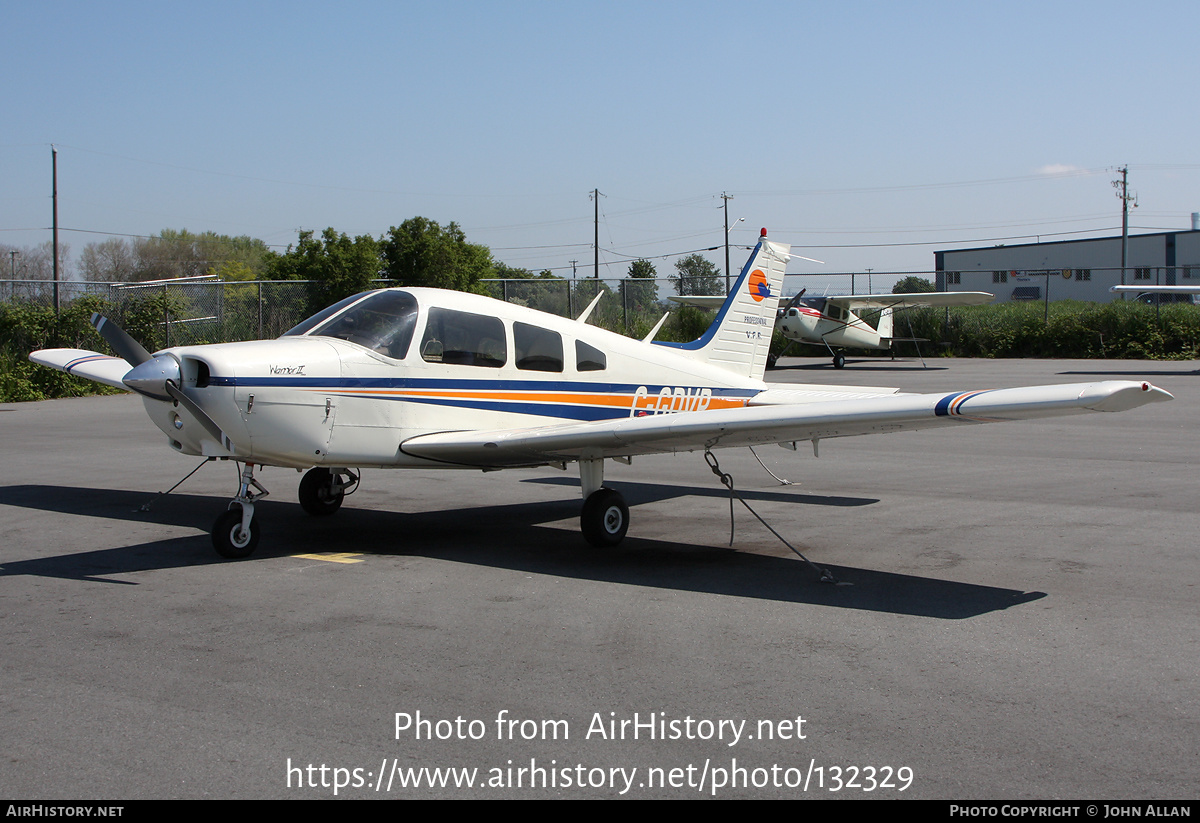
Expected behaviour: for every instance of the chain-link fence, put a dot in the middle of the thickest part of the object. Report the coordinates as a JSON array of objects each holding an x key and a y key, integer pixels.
[
  {"x": 628, "y": 305},
  {"x": 183, "y": 311}
]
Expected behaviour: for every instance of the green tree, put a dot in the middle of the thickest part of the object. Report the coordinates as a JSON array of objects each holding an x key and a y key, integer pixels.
[
  {"x": 109, "y": 260},
  {"x": 638, "y": 289},
  {"x": 336, "y": 265},
  {"x": 419, "y": 252},
  {"x": 184, "y": 254},
  {"x": 697, "y": 276},
  {"x": 543, "y": 291},
  {"x": 913, "y": 284}
]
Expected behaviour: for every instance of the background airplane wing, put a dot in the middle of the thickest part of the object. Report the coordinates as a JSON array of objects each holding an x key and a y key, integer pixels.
[
  {"x": 102, "y": 368},
  {"x": 699, "y": 301},
  {"x": 752, "y": 425},
  {"x": 938, "y": 299},
  {"x": 1155, "y": 289}
]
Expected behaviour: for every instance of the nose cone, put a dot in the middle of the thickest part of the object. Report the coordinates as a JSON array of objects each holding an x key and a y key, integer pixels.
[{"x": 150, "y": 378}]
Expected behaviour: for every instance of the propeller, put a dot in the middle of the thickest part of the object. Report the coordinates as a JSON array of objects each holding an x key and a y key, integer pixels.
[
  {"x": 124, "y": 345},
  {"x": 155, "y": 376},
  {"x": 792, "y": 303},
  {"x": 207, "y": 422}
]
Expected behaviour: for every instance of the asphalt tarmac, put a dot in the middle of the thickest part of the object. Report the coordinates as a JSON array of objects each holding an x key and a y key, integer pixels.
[{"x": 1022, "y": 619}]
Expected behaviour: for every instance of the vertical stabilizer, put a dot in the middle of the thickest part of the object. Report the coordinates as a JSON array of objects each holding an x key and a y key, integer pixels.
[
  {"x": 740, "y": 336},
  {"x": 885, "y": 326}
]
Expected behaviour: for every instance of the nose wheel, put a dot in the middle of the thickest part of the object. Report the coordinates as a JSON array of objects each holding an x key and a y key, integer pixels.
[
  {"x": 235, "y": 534},
  {"x": 231, "y": 540}
]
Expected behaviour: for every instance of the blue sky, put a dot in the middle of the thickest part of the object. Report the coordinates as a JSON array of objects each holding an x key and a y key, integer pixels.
[{"x": 865, "y": 134}]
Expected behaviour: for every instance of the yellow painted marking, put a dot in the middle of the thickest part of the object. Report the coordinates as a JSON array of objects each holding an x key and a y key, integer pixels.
[{"x": 332, "y": 557}]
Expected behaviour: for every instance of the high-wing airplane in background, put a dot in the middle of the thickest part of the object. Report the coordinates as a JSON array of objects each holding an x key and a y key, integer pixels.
[
  {"x": 425, "y": 378},
  {"x": 1142, "y": 292},
  {"x": 832, "y": 322}
]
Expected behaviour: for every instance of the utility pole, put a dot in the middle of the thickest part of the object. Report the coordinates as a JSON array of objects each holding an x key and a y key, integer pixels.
[
  {"x": 571, "y": 291},
  {"x": 595, "y": 195},
  {"x": 1122, "y": 187},
  {"x": 726, "y": 198},
  {"x": 54, "y": 200}
]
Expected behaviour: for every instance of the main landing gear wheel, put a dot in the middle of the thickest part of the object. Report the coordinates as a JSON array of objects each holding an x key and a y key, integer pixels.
[
  {"x": 321, "y": 492},
  {"x": 839, "y": 361},
  {"x": 605, "y": 518},
  {"x": 229, "y": 538}
]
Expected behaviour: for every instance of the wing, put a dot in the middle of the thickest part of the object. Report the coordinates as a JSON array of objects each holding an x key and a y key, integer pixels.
[
  {"x": 102, "y": 368},
  {"x": 938, "y": 299},
  {"x": 1155, "y": 289},
  {"x": 700, "y": 301},
  {"x": 755, "y": 424}
]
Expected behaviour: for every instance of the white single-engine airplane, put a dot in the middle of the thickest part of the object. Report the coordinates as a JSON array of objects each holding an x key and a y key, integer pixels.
[
  {"x": 831, "y": 321},
  {"x": 1146, "y": 290},
  {"x": 425, "y": 378}
]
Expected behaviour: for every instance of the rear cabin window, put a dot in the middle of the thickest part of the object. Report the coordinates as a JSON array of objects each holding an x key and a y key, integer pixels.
[
  {"x": 537, "y": 349},
  {"x": 463, "y": 339},
  {"x": 589, "y": 358}
]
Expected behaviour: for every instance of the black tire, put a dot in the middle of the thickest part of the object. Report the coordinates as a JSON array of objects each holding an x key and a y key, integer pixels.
[
  {"x": 228, "y": 538},
  {"x": 605, "y": 518},
  {"x": 316, "y": 493},
  {"x": 839, "y": 361},
  {"x": 772, "y": 359}
]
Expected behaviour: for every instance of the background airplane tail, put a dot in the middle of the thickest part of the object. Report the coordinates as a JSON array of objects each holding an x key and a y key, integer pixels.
[
  {"x": 885, "y": 325},
  {"x": 740, "y": 336}
]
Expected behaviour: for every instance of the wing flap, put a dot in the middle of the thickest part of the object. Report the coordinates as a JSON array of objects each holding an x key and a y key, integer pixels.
[
  {"x": 800, "y": 393},
  {"x": 752, "y": 425},
  {"x": 102, "y": 368}
]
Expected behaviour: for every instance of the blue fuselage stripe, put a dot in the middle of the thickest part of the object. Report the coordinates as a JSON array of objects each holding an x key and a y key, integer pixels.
[{"x": 337, "y": 384}]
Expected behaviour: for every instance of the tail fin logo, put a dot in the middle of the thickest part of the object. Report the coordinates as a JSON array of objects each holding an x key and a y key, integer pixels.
[{"x": 759, "y": 288}]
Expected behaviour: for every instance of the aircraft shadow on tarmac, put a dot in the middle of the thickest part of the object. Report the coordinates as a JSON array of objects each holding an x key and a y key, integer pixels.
[
  {"x": 1137, "y": 374},
  {"x": 514, "y": 537},
  {"x": 857, "y": 365}
]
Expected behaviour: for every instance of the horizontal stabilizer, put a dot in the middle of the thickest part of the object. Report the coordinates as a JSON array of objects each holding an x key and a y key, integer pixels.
[{"x": 102, "y": 368}]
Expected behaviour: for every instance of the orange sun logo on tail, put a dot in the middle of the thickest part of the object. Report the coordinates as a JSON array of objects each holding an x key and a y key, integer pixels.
[{"x": 759, "y": 289}]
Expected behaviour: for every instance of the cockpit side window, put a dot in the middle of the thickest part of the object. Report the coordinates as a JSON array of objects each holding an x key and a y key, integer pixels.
[
  {"x": 538, "y": 349},
  {"x": 384, "y": 322},
  {"x": 589, "y": 358},
  {"x": 465, "y": 339}
]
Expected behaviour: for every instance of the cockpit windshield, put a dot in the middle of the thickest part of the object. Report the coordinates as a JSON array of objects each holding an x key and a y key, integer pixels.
[{"x": 384, "y": 322}]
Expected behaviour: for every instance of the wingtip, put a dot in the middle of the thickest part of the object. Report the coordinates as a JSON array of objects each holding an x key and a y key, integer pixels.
[
  {"x": 1157, "y": 395},
  {"x": 1122, "y": 396}
]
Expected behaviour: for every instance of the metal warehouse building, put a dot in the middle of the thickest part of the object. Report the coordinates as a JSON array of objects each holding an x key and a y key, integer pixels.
[{"x": 1072, "y": 269}]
